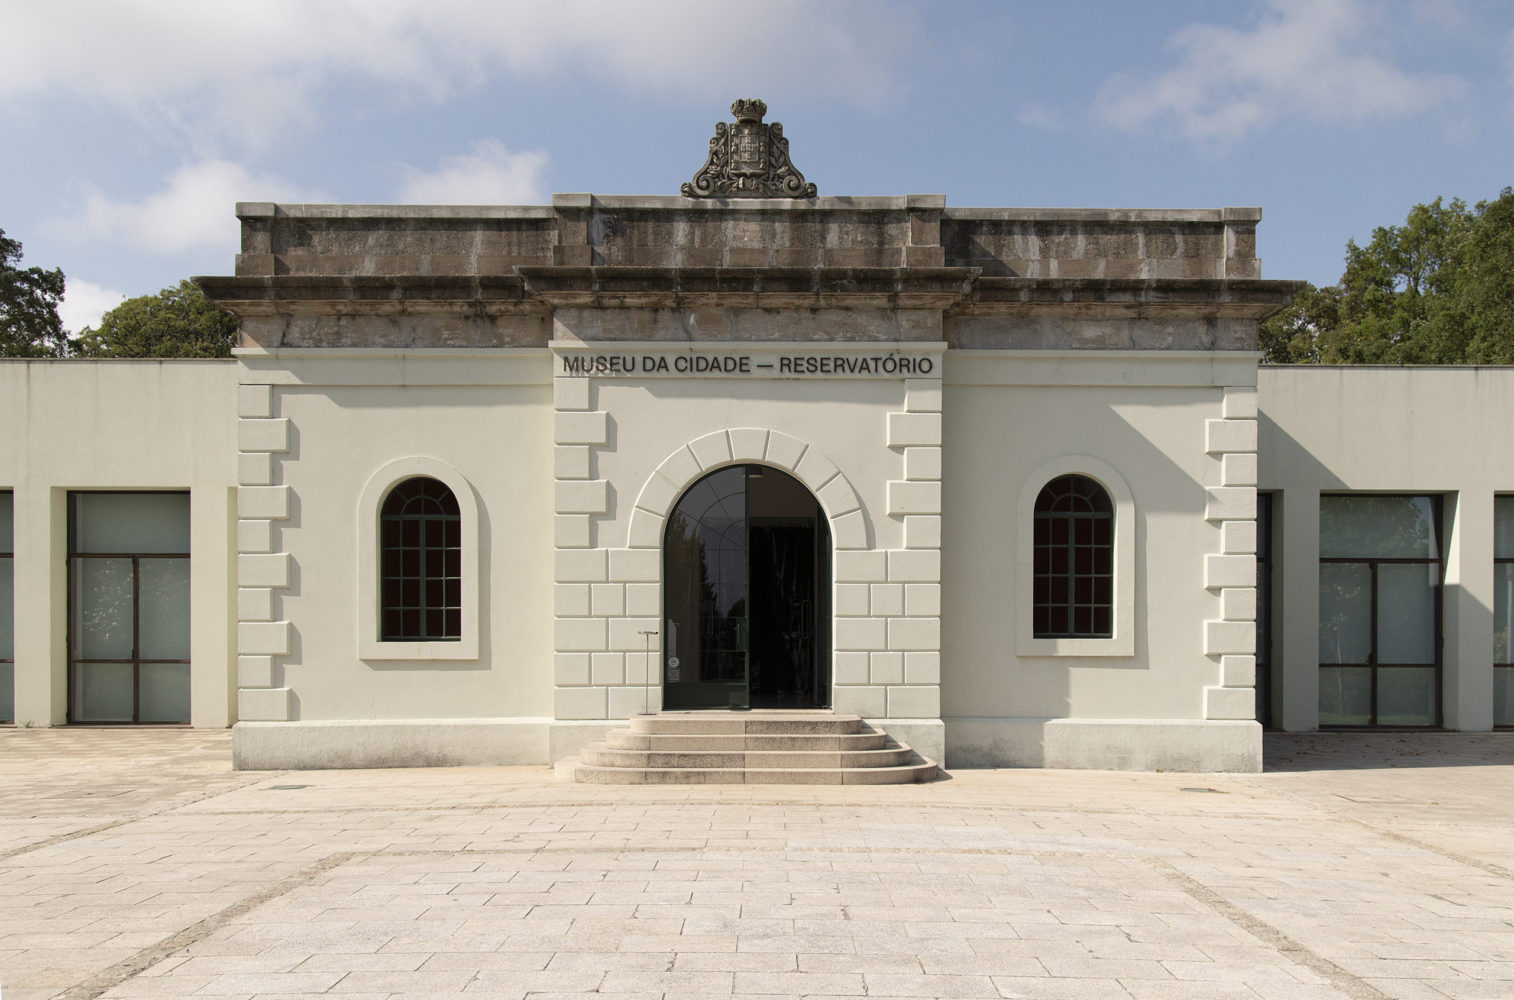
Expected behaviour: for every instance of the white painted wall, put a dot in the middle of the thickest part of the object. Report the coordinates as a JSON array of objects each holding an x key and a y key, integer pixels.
[
  {"x": 1389, "y": 430},
  {"x": 117, "y": 425}
]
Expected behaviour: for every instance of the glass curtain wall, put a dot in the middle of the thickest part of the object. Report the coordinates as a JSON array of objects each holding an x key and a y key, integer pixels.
[
  {"x": 1503, "y": 611},
  {"x": 1379, "y": 611},
  {"x": 7, "y": 610},
  {"x": 128, "y": 607}
]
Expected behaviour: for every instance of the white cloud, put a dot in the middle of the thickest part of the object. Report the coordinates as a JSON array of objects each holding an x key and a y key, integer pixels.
[
  {"x": 488, "y": 174},
  {"x": 246, "y": 71},
  {"x": 193, "y": 211},
  {"x": 84, "y": 303},
  {"x": 1311, "y": 58}
]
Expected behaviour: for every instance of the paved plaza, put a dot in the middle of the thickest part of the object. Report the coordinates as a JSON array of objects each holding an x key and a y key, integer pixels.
[{"x": 136, "y": 863}]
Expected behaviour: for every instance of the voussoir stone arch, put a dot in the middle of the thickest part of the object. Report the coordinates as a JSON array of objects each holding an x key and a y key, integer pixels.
[{"x": 742, "y": 446}]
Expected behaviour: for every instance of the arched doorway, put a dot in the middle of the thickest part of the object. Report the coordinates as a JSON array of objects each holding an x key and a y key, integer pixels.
[{"x": 746, "y": 594}]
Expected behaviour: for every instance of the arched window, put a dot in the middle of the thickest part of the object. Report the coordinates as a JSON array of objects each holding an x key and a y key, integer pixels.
[
  {"x": 1074, "y": 560},
  {"x": 420, "y": 572}
]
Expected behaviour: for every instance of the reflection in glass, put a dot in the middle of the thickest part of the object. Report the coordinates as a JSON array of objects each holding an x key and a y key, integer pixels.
[
  {"x": 1377, "y": 527},
  {"x": 164, "y": 692},
  {"x": 1503, "y": 696},
  {"x": 7, "y": 604},
  {"x": 131, "y": 522},
  {"x": 163, "y": 609},
  {"x": 1503, "y": 527},
  {"x": 1345, "y": 613},
  {"x": 1503, "y": 609},
  {"x": 1345, "y": 696},
  {"x": 1406, "y": 696},
  {"x": 1406, "y": 612},
  {"x": 103, "y": 609},
  {"x": 706, "y": 587},
  {"x": 103, "y": 692},
  {"x": 7, "y": 692}
]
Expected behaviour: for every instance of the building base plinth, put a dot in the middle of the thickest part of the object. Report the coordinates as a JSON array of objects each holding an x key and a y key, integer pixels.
[
  {"x": 1112, "y": 744},
  {"x": 342, "y": 743}
]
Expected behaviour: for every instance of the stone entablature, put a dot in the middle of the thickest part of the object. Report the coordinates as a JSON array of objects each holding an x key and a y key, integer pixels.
[
  {"x": 631, "y": 268},
  {"x": 587, "y": 230}
]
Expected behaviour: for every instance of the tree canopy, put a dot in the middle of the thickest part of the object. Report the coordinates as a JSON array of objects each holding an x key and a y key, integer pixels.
[
  {"x": 175, "y": 323},
  {"x": 1437, "y": 290},
  {"x": 29, "y": 323}
]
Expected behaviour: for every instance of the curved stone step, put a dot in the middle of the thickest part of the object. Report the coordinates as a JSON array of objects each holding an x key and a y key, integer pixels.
[
  {"x": 922, "y": 770},
  {"x": 598, "y": 755},
  {"x": 716, "y": 723},
  {"x": 624, "y": 739}
]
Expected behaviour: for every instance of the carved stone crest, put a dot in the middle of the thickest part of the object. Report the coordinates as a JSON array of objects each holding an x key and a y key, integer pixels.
[{"x": 748, "y": 160}]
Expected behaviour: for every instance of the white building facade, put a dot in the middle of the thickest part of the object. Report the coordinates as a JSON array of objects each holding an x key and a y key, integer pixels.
[{"x": 1007, "y": 483}]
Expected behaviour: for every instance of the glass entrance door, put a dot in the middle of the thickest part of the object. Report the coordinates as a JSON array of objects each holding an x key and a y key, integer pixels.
[{"x": 746, "y": 589}]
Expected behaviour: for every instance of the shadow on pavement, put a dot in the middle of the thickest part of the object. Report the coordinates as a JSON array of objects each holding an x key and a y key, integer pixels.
[{"x": 1345, "y": 751}]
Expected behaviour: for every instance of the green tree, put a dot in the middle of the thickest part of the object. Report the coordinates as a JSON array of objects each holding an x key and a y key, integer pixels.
[
  {"x": 175, "y": 323},
  {"x": 1437, "y": 290},
  {"x": 29, "y": 323}
]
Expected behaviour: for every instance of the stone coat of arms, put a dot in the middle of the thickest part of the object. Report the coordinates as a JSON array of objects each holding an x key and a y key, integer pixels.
[{"x": 748, "y": 160}]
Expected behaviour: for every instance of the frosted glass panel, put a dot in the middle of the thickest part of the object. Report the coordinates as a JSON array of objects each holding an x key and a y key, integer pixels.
[
  {"x": 102, "y": 609},
  {"x": 7, "y": 692},
  {"x": 1406, "y": 613},
  {"x": 7, "y": 610},
  {"x": 1377, "y": 527},
  {"x": 1503, "y": 696},
  {"x": 7, "y": 523},
  {"x": 1345, "y": 696},
  {"x": 102, "y": 692},
  {"x": 1503, "y": 527},
  {"x": 1503, "y": 610},
  {"x": 163, "y": 609},
  {"x": 1345, "y": 613},
  {"x": 131, "y": 522},
  {"x": 164, "y": 692},
  {"x": 1406, "y": 696}
]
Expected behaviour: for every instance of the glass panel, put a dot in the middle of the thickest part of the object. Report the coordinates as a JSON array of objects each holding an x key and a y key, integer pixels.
[
  {"x": 102, "y": 609},
  {"x": 1406, "y": 612},
  {"x": 1377, "y": 527},
  {"x": 1406, "y": 696},
  {"x": 7, "y": 610},
  {"x": 1503, "y": 527},
  {"x": 1503, "y": 610},
  {"x": 7, "y": 531},
  {"x": 102, "y": 692},
  {"x": 131, "y": 522},
  {"x": 1345, "y": 696},
  {"x": 163, "y": 609},
  {"x": 7, "y": 692},
  {"x": 1503, "y": 696},
  {"x": 1345, "y": 613},
  {"x": 165, "y": 692}
]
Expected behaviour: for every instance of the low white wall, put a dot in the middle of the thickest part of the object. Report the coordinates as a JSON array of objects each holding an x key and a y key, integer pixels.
[
  {"x": 1388, "y": 430},
  {"x": 117, "y": 425}
]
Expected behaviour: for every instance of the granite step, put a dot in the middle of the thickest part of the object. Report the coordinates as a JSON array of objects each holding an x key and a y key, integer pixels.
[
  {"x": 923, "y": 770},
  {"x": 624, "y": 739},
  {"x": 739, "y": 747}
]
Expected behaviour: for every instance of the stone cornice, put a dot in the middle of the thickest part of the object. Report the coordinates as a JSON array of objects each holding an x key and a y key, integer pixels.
[
  {"x": 754, "y": 287},
  {"x": 956, "y": 291},
  {"x": 1241, "y": 299}
]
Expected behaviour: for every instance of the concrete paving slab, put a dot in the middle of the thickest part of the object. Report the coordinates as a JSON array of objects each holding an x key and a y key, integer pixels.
[{"x": 136, "y": 863}]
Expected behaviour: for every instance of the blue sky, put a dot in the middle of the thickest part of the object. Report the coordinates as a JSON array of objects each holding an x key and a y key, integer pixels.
[{"x": 132, "y": 127}]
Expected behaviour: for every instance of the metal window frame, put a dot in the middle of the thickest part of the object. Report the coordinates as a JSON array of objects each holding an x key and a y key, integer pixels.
[
  {"x": 1104, "y": 556},
  {"x": 1437, "y": 515},
  {"x": 391, "y": 555},
  {"x": 70, "y": 640}
]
